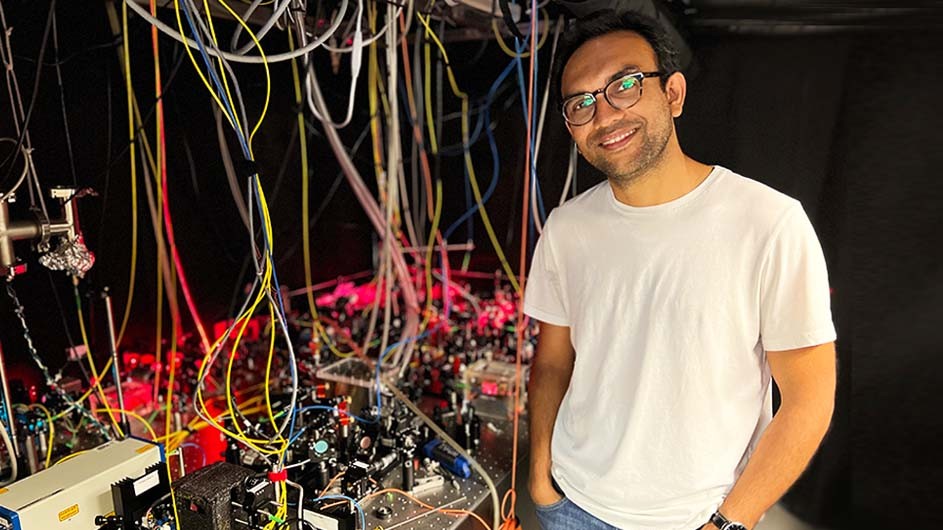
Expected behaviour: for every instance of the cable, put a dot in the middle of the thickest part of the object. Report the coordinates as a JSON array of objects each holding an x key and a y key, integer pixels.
[
  {"x": 96, "y": 376},
  {"x": 356, "y": 63},
  {"x": 570, "y": 173},
  {"x": 8, "y": 62},
  {"x": 23, "y": 175},
  {"x": 363, "y": 519},
  {"x": 70, "y": 456},
  {"x": 62, "y": 106},
  {"x": 503, "y": 45},
  {"x": 277, "y": 12},
  {"x": 468, "y": 161},
  {"x": 52, "y": 431},
  {"x": 134, "y": 188},
  {"x": 50, "y": 381},
  {"x": 16, "y": 107},
  {"x": 442, "y": 509},
  {"x": 496, "y": 163},
  {"x": 448, "y": 439},
  {"x": 253, "y": 59},
  {"x": 518, "y": 374},
  {"x": 10, "y": 453},
  {"x": 147, "y": 424}
]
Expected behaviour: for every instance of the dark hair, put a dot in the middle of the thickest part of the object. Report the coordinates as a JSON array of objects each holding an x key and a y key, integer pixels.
[{"x": 609, "y": 21}]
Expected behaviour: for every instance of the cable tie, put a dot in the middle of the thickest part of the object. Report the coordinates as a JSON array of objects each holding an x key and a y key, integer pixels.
[
  {"x": 278, "y": 476},
  {"x": 248, "y": 168}
]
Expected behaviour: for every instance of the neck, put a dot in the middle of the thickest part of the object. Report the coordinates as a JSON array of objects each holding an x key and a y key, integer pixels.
[{"x": 673, "y": 177}]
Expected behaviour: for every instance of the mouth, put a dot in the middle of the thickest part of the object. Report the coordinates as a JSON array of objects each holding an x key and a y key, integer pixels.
[{"x": 618, "y": 140}]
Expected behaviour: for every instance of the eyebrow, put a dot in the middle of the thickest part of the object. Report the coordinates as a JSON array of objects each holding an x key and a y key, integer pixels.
[{"x": 627, "y": 69}]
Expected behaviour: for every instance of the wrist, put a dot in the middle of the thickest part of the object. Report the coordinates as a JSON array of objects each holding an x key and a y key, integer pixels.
[{"x": 720, "y": 520}]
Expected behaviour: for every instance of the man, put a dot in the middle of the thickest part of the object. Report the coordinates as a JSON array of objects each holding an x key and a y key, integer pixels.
[{"x": 668, "y": 297}]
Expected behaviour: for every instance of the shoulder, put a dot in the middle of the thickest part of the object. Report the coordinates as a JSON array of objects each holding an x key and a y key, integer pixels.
[
  {"x": 580, "y": 208},
  {"x": 753, "y": 202}
]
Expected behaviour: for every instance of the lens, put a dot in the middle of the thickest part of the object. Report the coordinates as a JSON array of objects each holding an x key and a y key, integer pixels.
[
  {"x": 579, "y": 109},
  {"x": 625, "y": 91}
]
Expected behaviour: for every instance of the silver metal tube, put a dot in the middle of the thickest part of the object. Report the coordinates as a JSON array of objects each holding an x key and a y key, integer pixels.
[{"x": 113, "y": 344}]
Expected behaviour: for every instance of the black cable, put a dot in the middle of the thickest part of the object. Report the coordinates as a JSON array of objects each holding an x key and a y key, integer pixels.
[
  {"x": 145, "y": 120},
  {"x": 65, "y": 116},
  {"x": 283, "y": 166},
  {"x": 304, "y": 524},
  {"x": 32, "y": 103},
  {"x": 106, "y": 45},
  {"x": 62, "y": 315},
  {"x": 330, "y": 194},
  {"x": 108, "y": 142}
]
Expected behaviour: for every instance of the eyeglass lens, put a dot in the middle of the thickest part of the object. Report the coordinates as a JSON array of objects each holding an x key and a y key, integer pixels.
[{"x": 621, "y": 93}]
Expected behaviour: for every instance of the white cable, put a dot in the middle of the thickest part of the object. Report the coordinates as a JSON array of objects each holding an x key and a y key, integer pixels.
[
  {"x": 252, "y": 59},
  {"x": 278, "y": 11},
  {"x": 570, "y": 171},
  {"x": 391, "y": 385},
  {"x": 540, "y": 130},
  {"x": 12, "y": 454},
  {"x": 376, "y": 37},
  {"x": 372, "y": 210},
  {"x": 356, "y": 62}
]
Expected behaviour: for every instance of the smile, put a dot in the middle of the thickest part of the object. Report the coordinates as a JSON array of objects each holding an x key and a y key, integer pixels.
[{"x": 614, "y": 142}]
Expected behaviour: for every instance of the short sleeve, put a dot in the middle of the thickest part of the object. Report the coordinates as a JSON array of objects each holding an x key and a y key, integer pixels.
[
  {"x": 795, "y": 300},
  {"x": 543, "y": 295}
]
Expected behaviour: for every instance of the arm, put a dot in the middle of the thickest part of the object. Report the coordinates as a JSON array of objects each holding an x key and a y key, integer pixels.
[
  {"x": 806, "y": 379},
  {"x": 549, "y": 379}
]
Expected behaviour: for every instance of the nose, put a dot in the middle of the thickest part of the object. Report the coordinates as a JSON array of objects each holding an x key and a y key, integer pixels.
[{"x": 606, "y": 114}]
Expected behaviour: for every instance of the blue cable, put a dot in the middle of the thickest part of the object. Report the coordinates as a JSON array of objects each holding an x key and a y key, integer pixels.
[
  {"x": 380, "y": 360},
  {"x": 245, "y": 151},
  {"x": 495, "y": 157},
  {"x": 533, "y": 124},
  {"x": 363, "y": 518},
  {"x": 219, "y": 89}
]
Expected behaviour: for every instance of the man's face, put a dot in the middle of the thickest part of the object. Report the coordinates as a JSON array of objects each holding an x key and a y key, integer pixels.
[{"x": 623, "y": 144}]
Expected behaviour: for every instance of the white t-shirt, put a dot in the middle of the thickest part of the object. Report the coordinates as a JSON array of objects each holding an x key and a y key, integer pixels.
[{"x": 671, "y": 309}]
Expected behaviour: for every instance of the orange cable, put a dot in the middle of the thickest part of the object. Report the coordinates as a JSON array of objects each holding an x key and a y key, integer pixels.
[{"x": 509, "y": 517}]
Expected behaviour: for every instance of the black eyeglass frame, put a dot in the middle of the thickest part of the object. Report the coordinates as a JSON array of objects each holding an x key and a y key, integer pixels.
[{"x": 605, "y": 92}]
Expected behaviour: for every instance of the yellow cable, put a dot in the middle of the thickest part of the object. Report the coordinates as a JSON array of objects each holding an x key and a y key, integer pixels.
[
  {"x": 430, "y": 245},
  {"x": 219, "y": 61},
  {"x": 511, "y": 53},
  {"x": 147, "y": 424},
  {"x": 134, "y": 179},
  {"x": 268, "y": 78},
  {"x": 70, "y": 456},
  {"x": 52, "y": 431},
  {"x": 84, "y": 396},
  {"x": 268, "y": 374},
  {"x": 468, "y": 161},
  {"x": 427, "y": 93},
  {"x": 266, "y": 221},
  {"x": 305, "y": 199},
  {"x": 199, "y": 72},
  {"x": 96, "y": 382}
]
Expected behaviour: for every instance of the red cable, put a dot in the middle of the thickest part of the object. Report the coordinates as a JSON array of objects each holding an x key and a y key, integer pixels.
[{"x": 168, "y": 223}]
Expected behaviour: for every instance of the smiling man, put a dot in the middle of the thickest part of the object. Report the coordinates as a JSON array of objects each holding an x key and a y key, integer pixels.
[{"x": 668, "y": 298}]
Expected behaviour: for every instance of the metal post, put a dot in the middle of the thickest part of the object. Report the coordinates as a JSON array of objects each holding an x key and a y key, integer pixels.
[{"x": 113, "y": 344}]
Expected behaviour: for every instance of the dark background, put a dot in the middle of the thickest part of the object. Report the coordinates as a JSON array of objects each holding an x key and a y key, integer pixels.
[{"x": 840, "y": 112}]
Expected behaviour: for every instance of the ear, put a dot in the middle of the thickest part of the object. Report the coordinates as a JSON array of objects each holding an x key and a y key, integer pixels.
[{"x": 676, "y": 89}]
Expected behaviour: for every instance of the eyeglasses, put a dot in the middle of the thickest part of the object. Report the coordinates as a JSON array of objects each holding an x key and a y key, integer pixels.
[{"x": 621, "y": 93}]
